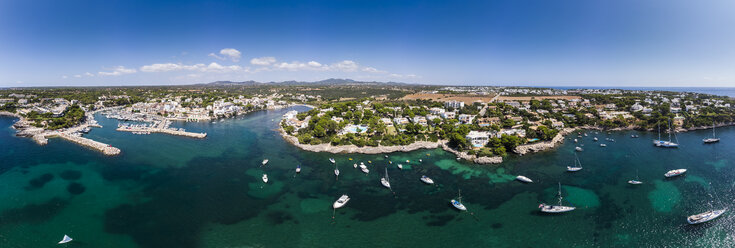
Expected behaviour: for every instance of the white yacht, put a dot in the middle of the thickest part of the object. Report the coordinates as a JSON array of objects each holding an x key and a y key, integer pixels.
[
  {"x": 458, "y": 202},
  {"x": 673, "y": 173},
  {"x": 384, "y": 180},
  {"x": 524, "y": 179},
  {"x": 364, "y": 168},
  {"x": 704, "y": 217},
  {"x": 595, "y": 138},
  {"x": 265, "y": 161},
  {"x": 714, "y": 139},
  {"x": 579, "y": 149},
  {"x": 664, "y": 143},
  {"x": 332, "y": 160},
  {"x": 575, "y": 167},
  {"x": 603, "y": 145},
  {"x": 555, "y": 209},
  {"x": 65, "y": 239},
  {"x": 341, "y": 201},
  {"x": 427, "y": 180},
  {"x": 265, "y": 178}
]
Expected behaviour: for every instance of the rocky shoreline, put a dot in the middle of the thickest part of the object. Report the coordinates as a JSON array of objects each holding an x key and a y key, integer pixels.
[
  {"x": 388, "y": 149},
  {"x": 544, "y": 145}
]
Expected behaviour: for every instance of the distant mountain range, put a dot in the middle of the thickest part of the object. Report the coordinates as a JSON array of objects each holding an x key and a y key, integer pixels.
[{"x": 331, "y": 81}]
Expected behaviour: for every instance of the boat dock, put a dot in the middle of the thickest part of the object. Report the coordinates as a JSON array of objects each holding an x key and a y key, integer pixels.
[
  {"x": 144, "y": 129},
  {"x": 104, "y": 148}
]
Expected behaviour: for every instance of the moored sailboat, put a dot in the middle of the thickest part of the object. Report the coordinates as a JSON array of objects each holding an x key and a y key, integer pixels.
[
  {"x": 705, "y": 217},
  {"x": 663, "y": 143},
  {"x": 427, "y": 180},
  {"x": 458, "y": 202},
  {"x": 384, "y": 180},
  {"x": 524, "y": 179},
  {"x": 677, "y": 172},
  {"x": 575, "y": 167},
  {"x": 714, "y": 139},
  {"x": 65, "y": 239},
  {"x": 555, "y": 209}
]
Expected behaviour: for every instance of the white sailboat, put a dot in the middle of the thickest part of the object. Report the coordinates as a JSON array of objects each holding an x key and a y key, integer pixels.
[
  {"x": 341, "y": 201},
  {"x": 336, "y": 171},
  {"x": 714, "y": 139},
  {"x": 458, "y": 202},
  {"x": 704, "y": 217},
  {"x": 555, "y": 209},
  {"x": 636, "y": 181},
  {"x": 265, "y": 178},
  {"x": 265, "y": 161},
  {"x": 65, "y": 240},
  {"x": 677, "y": 172},
  {"x": 427, "y": 180},
  {"x": 663, "y": 143},
  {"x": 524, "y": 179},
  {"x": 384, "y": 180},
  {"x": 575, "y": 167},
  {"x": 354, "y": 165}
]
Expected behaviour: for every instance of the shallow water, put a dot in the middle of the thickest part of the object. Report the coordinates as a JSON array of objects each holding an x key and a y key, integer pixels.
[{"x": 167, "y": 191}]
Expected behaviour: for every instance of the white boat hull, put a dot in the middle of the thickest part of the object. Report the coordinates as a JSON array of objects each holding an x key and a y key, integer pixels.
[
  {"x": 674, "y": 173},
  {"x": 427, "y": 180},
  {"x": 341, "y": 202},
  {"x": 385, "y": 183},
  {"x": 573, "y": 169},
  {"x": 524, "y": 179},
  {"x": 705, "y": 217},
  {"x": 458, "y": 205},
  {"x": 634, "y": 182},
  {"x": 554, "y": 209}
]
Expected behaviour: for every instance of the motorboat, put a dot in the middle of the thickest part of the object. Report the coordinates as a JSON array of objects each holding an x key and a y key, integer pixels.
[
  {"x": 595, "y": 138},
  {"x": 427, "y": 180},
  {"x": 332, "y": 160},
  {"x": 341, "y": 201},
  {"x": 354, "y": 165},
  {"x": 458, "y": 202},
  {"x": 364, "y": 168},
  {"x": 673, "y": 173},
  {"x": 265, "y": 161},
  {"x": 575, "y": 140},
  {"x": 706, "y": 216},
  {"x": 555, "y": 209},
  {"x": 524, "y": 179},
  {"x": 65, "y": 239},
  {"x": 400, "y": 166},
  {"x": 265, "y": 178},
  {"x": 298, "y": 168},
  {"x": 635, "y": 182},
  {"x": 603, "y": 145},
  {"x": 579, "y": 149}
]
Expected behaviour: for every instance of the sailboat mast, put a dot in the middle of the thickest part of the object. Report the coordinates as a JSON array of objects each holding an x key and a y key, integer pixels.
[
  {"x": 659, "y": 130},
  {"x": 669, "y": 130}
]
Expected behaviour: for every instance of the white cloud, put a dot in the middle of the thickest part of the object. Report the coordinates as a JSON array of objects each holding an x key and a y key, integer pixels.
[
  {"x": 295, "y": 66},
  {"x": 403, "y": 76},
  {"x": 77, "y": 76},
  {"x": 88, "y": 74},
  {"x": 264, "y": 61},
  {"x": 228, "y": 53},
  {"x": 64, "y": 77},
  {"x": 372, "y": 70},
  {"x": 117, "y": 71},
  {"x": 346, "y": 65},
  {"x": 212, "y": 67}
]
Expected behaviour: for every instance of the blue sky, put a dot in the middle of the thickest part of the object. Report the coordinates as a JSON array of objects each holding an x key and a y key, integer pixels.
[{"x": 514, "y": 42}]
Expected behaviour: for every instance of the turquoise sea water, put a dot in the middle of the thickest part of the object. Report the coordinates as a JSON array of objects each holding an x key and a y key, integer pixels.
[{"x": 167, "y": 191}]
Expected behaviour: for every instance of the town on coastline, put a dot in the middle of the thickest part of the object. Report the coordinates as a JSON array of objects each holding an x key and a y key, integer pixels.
[{"x": 478, "y": 124}]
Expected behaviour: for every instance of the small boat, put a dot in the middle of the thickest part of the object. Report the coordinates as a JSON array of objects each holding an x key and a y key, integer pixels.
[
  {"x": 595, "y": 139},
  {"x": 354, "y": 165},
  {"x": 524, "y": 179},
  {"x": 400, "y": 166},
  {"x": 65, "y": 240},
  {"x": 336, "y": 171},
  {"x": 386, "y": 156},
  {"x": 350, "y": 159},
  {"x": 585, "y": 134},
  {"x": 633, "y": 136},
  {"x": 427, "y": 180},
  {"x": 575, "y": 167},
  {"x": 265, "y": 178},
  {"x": 555, "y": 209},
  {"x": 298, "y": 168},
  {"x": 364, "y": 168},
  {"x": 704, "y": 217},
  {"x": 265, "y": 161},
  {"x": 332, "y": 160},
  {"x": 612, "y": 140},
  {"x": 407, "y": 161},
  {"x": 370, "y": 162},
  {"x": 384, "y": 180},
  {"x": 673, "y": 173},
  {"x": 458, "y": 202},
  {"x": 421, "y": 160},
  {"x": 636, "y": 181},
  {"x": 579, "y": 149},
  {"x": 458, "y": 158},
  {"x": 341, "y": 201},
  {"x": 714, "y": 139},
  {"x": 390, "y": 162},
  {"x": 603, "y": 145},
  {"x": 575, "y": 140}
]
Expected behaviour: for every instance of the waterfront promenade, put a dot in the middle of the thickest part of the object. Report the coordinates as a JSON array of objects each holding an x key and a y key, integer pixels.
[{"x": 162, "y": 130}]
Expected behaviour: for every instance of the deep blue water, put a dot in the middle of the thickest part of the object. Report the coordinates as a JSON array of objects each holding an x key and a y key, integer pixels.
[{"x": 720, "y": 91}]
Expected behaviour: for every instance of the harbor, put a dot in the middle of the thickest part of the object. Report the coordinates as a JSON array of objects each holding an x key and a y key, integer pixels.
[{"x": 159, "y": 127}]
